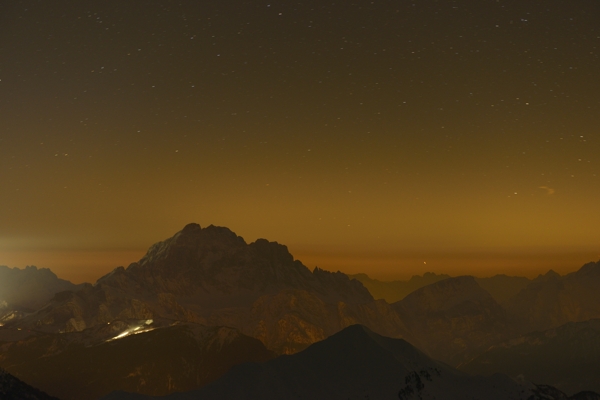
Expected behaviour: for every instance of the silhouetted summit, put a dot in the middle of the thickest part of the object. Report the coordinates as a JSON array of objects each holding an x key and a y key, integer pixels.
[
  {"x": 213, "y": 277},
  {"x": 216, "y": 260}
]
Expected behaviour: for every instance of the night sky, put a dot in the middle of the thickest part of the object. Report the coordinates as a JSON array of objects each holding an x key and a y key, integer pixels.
[{"x": 387, "y": 137}]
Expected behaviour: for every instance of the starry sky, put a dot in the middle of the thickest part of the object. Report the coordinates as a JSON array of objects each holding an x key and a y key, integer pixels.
[{"x": 386, "y": 137}]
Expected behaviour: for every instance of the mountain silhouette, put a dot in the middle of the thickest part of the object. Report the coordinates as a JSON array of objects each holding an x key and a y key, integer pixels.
[
  {"x": 394, "y": 291},
  {"x": 454, "y": 318},
  {"x": 12, "y": 388},
  {"x": 357, "y": 363},
  {"x": 87, "y": 365},
  {"x": 552, "y": 300},
  {"x": 213, "y": 277}
]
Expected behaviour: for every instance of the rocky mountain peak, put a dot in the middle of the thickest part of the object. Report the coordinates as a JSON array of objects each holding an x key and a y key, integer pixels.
[
  {"x": 191, "y": 240},
  {"x": 591, "y": 269},
  {"x": 215, "y": 259},
  {"x": 446, "y": 294},
  {"x": 454, "y": 316},
  {"x": 272, "y": 250}
]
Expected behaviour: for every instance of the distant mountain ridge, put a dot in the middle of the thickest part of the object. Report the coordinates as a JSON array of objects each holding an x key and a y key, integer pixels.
[
  {"x": 393, "y": 291},
  {"x": 501, "y": 287},
  {"x": 454, "y": 318},
  {"x": 552, "y": 300}
]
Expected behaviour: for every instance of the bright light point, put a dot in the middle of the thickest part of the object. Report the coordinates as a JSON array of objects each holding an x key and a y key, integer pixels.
[{"x": 134, "y": 330}]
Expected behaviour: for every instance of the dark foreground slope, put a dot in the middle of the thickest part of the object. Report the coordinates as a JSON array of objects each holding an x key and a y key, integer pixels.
[
  {"x": 358, "y": 364},
  {"x": 157, "y": 361},
  {"x": 12, "y": 388},
  {"x": 567, "y": 357}
]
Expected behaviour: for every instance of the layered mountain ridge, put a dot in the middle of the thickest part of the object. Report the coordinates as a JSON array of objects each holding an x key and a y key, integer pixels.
[
  {"x": 209, "y": 279},
  {"x": 454, "y": 318},
  {"x": 552, "y": 300},
  {"x": 357, "y": 363},
  {"x": 212, "y": 276}
]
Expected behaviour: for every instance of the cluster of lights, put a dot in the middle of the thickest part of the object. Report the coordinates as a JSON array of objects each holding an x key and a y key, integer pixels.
[{"x": 134, "y": 330}]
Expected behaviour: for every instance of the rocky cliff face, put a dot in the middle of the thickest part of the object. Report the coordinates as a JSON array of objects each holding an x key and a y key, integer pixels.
[
  {"x": 214, "y": 260},
  {"x": 454, "y": 318},
  {"x": 552, "y": 300},
  {"x": 292, "y": 319},
  {"x": 212, "y": 276}
]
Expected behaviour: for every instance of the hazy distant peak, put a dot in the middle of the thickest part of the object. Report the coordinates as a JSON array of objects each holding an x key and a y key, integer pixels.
[
  {"x": 549, "y": 276},
  {"x": 447, "y": 293},
  {"x": 591, "y": 268},
  {"x": 30, "y": 288},
  {"x": 28, "y": 271},
  {"x": 396, "y": 290}
]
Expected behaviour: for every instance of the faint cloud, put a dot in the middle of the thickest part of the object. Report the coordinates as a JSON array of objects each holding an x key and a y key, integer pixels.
[{"x": 548, "y": 190}]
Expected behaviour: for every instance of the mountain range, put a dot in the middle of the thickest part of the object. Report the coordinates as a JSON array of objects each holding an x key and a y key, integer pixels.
[
  {"x": 501, "y": 287},
  {"x": 204, "y": 301},
  {"x": 212, "y": 276}
]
